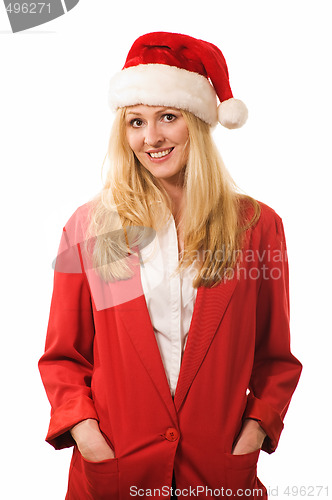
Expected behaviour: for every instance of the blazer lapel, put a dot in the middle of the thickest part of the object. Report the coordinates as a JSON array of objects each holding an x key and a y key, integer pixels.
[
  {"x": 210, "y": 306},
  {"x": 135, "y": 318}
]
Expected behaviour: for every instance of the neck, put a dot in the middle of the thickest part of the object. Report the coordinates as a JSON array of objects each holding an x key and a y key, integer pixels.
[{"x": 176, "y": 194}]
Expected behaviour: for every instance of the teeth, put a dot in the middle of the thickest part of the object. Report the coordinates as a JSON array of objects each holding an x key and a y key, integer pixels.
[{"x": 161, "y": 153}]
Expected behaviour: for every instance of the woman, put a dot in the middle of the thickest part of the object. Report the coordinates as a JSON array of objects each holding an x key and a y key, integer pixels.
[{"x": 167, "y": 359}]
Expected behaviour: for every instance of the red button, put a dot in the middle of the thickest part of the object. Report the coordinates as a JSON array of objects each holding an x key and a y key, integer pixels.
[{"x": 172, "y": 434}]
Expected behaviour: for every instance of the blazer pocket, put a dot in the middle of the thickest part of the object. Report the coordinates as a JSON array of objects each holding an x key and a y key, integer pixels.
[
  {"x": 102, "y": 478},
  {"x": 248, "y": 460},
  {"x": 241, "y": 475}
]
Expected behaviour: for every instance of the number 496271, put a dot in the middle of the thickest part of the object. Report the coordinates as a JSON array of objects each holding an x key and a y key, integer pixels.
[
  {"x": 306, "y": 491},
  {"x": 28, "y": 8}
]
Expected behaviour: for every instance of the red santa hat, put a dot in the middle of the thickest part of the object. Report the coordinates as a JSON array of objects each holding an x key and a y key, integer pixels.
[{"x": 171, "y": 69}]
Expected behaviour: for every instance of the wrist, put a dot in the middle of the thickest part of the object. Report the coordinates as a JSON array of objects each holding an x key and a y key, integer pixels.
[
  {"x": 84, "y": 427},
  {"x": 254, "y": 425}
]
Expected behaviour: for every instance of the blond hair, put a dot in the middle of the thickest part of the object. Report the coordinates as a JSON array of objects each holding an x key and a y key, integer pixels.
[{"x": 215, "y": 218}]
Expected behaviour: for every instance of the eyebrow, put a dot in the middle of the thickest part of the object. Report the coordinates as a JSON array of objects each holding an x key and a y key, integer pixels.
[{"x": 156, "y": 112}]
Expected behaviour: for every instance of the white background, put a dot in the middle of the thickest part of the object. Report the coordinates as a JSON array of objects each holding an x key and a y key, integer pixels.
[{"x": 54, "y": 130}]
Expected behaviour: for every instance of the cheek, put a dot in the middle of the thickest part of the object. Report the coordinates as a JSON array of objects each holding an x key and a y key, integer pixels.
[
  {"x": 133, "y": 141},
  {"x": 182, "y": 135}
]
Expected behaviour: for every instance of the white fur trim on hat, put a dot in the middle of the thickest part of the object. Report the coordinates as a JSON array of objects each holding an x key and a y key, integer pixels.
[
  {"x": 232, "y": 113},
  {"x": 162, "y": 85}
]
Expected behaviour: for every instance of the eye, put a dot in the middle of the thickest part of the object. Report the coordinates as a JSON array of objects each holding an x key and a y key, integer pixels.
[
  {"x": 136, "y": 122},
  {"x": 169, "y": 117}
]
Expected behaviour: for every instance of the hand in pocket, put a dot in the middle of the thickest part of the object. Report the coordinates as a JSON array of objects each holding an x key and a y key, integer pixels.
[
  {"x": 90, "y": 442},
  {"x": 250, "y": 438}
]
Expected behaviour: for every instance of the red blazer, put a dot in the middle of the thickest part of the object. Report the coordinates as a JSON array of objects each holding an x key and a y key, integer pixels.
[{"x": 102, "y": 361}]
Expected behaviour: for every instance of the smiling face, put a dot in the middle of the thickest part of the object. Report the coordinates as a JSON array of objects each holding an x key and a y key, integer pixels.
[{"x": 158, "y": 137}]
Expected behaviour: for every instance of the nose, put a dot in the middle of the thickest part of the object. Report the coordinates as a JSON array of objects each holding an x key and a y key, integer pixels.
[{"x": 153, "y": 135}]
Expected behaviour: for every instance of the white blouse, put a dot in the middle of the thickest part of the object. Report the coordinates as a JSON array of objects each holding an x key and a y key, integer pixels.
[{"x": 170, "y": 298}]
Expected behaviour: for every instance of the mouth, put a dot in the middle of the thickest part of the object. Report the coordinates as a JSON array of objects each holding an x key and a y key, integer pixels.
[{"x": 160, "y": 154}]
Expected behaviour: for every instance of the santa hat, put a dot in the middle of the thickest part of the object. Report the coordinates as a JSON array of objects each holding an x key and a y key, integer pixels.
[{"x": 171, "y": 69}]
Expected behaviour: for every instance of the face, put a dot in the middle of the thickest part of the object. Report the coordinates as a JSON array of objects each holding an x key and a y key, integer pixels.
[{"x": 159, "y": 138}]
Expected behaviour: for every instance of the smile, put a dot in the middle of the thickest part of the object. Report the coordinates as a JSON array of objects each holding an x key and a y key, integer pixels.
[{"x": 161, "y": 154}]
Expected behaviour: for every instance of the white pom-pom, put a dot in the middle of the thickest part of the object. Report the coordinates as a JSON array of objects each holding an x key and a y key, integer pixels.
[{"x": 232, "y": 113}]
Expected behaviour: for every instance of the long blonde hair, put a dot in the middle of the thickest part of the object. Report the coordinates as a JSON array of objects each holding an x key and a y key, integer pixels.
[{"x": 132, "y": 204}]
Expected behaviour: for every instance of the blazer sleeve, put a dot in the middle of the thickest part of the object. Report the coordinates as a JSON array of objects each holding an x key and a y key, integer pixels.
[
  {"x": 275, "y": 371},
  {"x": 66, "y": 366}
]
